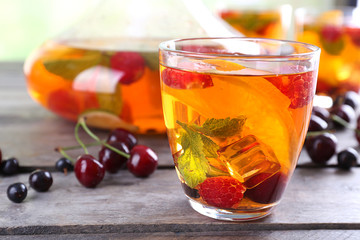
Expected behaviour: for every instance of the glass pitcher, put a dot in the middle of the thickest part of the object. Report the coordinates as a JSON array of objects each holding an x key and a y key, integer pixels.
[{"x": 105, "y": 67}]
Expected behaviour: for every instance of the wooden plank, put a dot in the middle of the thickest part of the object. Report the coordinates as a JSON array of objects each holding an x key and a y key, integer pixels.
[
  {"x": 315, "y": 199},
  {"x": 11, "y": 75},
  {"x": 239, "y": 235}
]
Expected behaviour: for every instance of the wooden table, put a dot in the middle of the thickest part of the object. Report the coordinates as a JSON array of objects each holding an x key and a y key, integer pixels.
[{"x": 320, "y": 203}]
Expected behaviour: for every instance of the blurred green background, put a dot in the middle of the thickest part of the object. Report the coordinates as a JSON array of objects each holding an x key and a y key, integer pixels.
[{"x": 25, "y": 24}]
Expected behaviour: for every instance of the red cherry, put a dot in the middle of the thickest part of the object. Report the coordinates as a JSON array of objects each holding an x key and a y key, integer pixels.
[
  {"x": 321, "y": 147},
  {"x": 269, "y": 190},
  {"x": 143, "y": 161},
  {"x": 131, "y": 64},
  {"x": 345, "y": 112},
  {"x": 322, "y": 113},
  {"x": 185, "y": 80},
  {"x": 89, "y": 171},
  {"x": 357, "y": 130},
  {"x": 111, "y": 160},
  {"x": 122, "y": 135}
]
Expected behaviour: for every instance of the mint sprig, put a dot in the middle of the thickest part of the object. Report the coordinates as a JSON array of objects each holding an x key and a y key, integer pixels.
[
  {"x": 197, "y": 146},
  {"x": 192, "y": 163},
  {"x": 221, "y": 127},
  {"x": 70, "y": 68}
]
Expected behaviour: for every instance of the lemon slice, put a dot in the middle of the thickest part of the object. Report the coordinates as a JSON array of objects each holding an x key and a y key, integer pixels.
[{"x": 106, "y": 120}]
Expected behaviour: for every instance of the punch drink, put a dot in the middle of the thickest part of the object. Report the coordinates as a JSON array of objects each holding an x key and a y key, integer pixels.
[
  {"x": 339, "y": 39},
  {"x": 255, "y": 23},
  {"x": 235, "y": 131},
  {"x": 112, "y": 88}
]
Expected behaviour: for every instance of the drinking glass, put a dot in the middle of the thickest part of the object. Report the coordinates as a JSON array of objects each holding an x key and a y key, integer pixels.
[
  {"x": 337, "y": 32},
  {"x": 236, "y": 112},
  {"x": 256, "y": 18}
]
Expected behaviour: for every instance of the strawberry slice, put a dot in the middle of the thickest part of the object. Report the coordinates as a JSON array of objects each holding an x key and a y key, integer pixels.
[
  {"x": 185, "y": 80},
  {"x": 298, "y": 87},
  {"x": 131, "y": 64},
  {"x": 269, "y": 190},
  {"x": 222, "y": 192}
]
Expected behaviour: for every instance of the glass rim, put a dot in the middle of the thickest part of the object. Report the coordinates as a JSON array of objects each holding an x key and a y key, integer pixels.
[
  {"x": 342, "y": 8},
  {"x": 313, "y": 49}
]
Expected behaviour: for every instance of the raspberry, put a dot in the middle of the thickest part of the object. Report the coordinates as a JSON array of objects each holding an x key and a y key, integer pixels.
[
  {"x": 132, "y": 65},
  {"x": 298, "y": 88},
  {"x": 222, "y": 192},
  {"x": 269, "y": 190},
  {"x": 185, "y": 80}
]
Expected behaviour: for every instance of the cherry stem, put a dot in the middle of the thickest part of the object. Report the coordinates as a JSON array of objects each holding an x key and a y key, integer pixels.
[
  {"x": 62, "y": 152},
  {"x": 341, "y": 121},
  {"x": 82, "y": 123},
  {"x": 78, "y": 124}
]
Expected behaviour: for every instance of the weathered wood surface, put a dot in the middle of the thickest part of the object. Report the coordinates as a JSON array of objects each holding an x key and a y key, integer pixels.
[
  {"x": 320, "y": 203},
  {"x": 238, "y": 235},
  {"x": 315, "y": 199}
]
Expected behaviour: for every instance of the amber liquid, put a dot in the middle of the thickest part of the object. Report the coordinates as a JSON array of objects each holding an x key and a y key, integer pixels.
[
  {"x": 71, "y": 80},
  {"x": 339, "y": 67},
  {"x": 265, "y": 24},
  {"x": 273, "y": 117}
]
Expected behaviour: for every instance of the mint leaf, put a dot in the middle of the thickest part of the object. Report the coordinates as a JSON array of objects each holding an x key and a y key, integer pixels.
[
  {"x": 70, "y": 68},
  {"x": 192, "y": 164},
  {"x": 191, "y": 139},
  {"x": 210, "y": 148},
  {"x": 192, "y": 168},
  {"x": 221, "y": 127},
  {"x": 151, "y": 59}
]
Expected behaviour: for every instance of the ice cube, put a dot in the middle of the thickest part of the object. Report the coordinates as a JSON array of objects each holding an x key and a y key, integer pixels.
[{"x": 247, "y": 158}]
